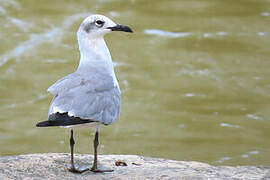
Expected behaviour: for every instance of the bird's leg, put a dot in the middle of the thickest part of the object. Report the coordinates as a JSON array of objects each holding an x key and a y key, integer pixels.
[
  {"x": 72, "y": 167},
  {"x": 95, "y": 151},
  {"x": 94, "y": 167}
]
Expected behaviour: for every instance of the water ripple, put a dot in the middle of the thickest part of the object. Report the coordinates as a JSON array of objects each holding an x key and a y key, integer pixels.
[
  {"x": 34, "y": 41},
  {"x": 55, "y": 61},
  {"x": 166, "y": 33},
  {"x": 265, "y": 14},
  {"x": 2, "y": 11},
  {"x": 228, "y": 125},
  {"x": 24, "y": 26},
  {"x": 245, "y": 155},
  {"x": 254, "y": 117},
  {"x": 221, "y": 33},
  {"x": 19, "y": 104},
  {"x": 54, "y": 35},
  {"x": 8, "y": 3},
  {"x": 221, "y": 160}
]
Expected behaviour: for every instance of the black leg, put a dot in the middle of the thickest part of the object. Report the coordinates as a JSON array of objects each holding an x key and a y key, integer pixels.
[
  {"x": 95, "y": 151},
  {"x": 72, "y": 142},
  {"x": 72, "y": 167},
  {"x": 94, "y": 167}
]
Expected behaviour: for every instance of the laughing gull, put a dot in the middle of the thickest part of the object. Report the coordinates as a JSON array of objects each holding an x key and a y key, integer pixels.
[{"x": 91, "y": 95}]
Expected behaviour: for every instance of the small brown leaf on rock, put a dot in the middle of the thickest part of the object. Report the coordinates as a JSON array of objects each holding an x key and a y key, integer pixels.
[{"x": 120, "y": 163}]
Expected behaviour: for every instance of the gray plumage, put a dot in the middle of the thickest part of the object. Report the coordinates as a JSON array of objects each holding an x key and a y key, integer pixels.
[{"x": 88, "y": 96}]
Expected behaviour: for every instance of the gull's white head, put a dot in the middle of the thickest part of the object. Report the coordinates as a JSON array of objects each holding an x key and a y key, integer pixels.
[
  {"x": 91, "y": 42},
  {"x": 96, "y": 25}
]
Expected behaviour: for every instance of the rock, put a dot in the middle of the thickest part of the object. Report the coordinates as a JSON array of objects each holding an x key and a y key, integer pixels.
[{"x": 53, "y": 166}]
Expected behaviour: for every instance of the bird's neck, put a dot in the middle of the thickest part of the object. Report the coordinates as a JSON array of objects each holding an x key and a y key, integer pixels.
[{"x": 94, "y": 55}]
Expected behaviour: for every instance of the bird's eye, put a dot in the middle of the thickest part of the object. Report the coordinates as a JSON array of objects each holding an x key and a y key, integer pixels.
[{"x": 99, "y": 23}]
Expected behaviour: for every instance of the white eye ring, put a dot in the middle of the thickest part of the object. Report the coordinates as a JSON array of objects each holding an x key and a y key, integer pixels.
[{"x": 99, "y": 23}]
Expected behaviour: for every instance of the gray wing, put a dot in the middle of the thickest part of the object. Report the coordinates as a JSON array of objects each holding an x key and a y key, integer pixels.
[
  {"x": 94, "y": 96},
  {"x": 90, "y": 82}
]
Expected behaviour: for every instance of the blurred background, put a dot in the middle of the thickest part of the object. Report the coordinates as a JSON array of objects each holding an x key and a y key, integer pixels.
[{"x": 194, "y": 77}]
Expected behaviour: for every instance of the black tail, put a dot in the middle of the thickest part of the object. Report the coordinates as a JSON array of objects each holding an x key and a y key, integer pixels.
[{"x": 63, "y": 119}]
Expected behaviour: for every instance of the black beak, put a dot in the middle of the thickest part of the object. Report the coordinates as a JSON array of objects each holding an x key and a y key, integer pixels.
[{"x": 120, "y": 27}]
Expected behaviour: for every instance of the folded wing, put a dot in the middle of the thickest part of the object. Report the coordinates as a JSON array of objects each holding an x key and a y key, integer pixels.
[{"x": 93, "y": 97}]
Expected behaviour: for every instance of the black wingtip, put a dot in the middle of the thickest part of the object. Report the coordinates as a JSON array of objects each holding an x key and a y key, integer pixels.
[
  {"x": 43, "y": 124},
  {"x": 63, "y": 119}
]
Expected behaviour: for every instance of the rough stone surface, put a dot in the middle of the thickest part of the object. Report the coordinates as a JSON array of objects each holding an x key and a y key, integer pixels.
[{"x": 53, "y": 166}]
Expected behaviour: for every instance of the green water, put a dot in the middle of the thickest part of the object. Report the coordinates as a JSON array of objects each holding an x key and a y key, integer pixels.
[{"x": 194, "y": 77}]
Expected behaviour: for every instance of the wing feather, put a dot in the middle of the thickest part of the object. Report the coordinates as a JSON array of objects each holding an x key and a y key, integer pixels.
[{"x": 94, "y": 97}]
